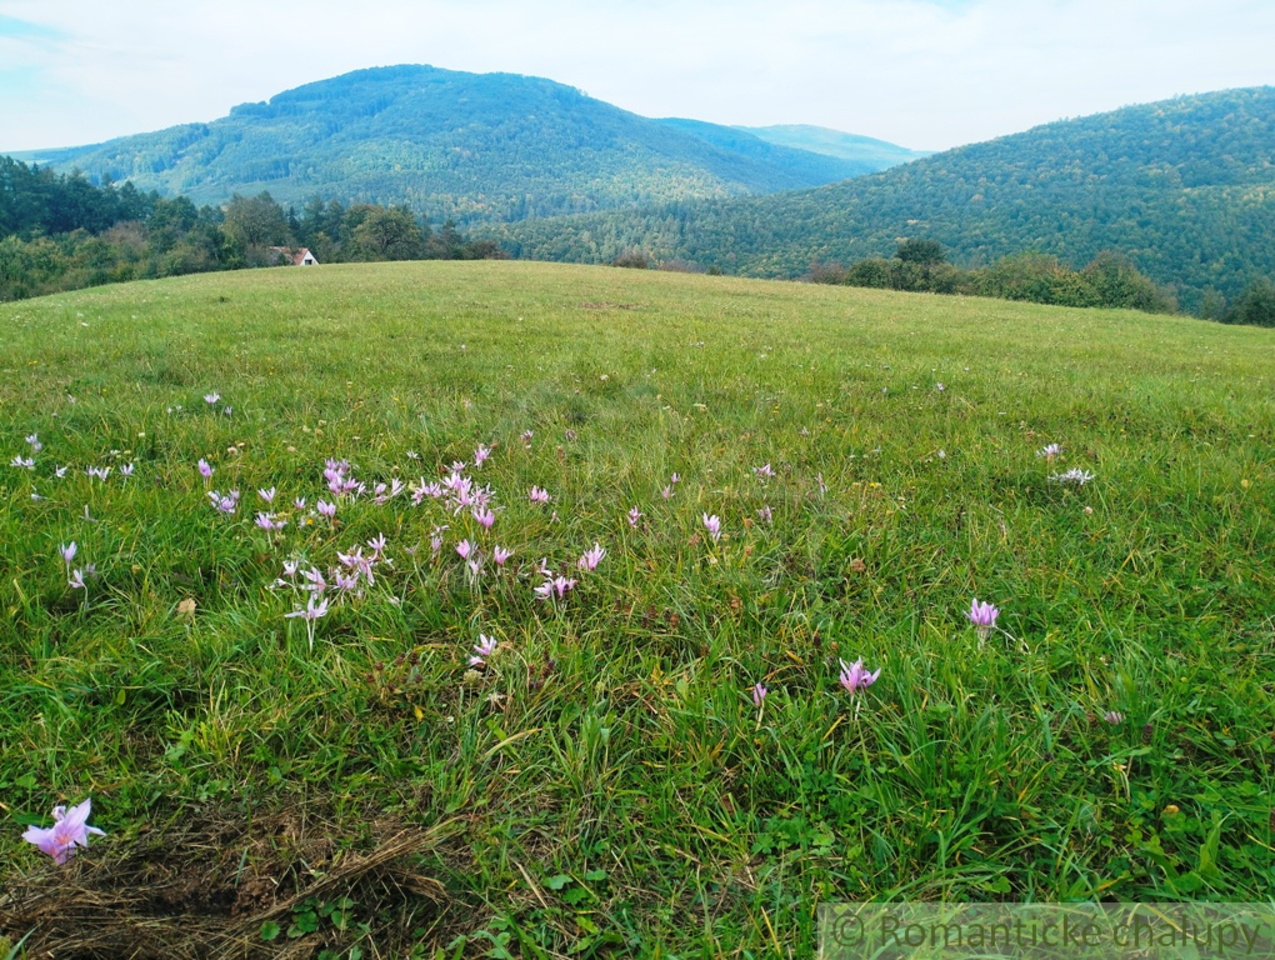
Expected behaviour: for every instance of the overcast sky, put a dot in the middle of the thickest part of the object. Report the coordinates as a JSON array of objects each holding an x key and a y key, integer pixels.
[{"x": 927, "y": 74}]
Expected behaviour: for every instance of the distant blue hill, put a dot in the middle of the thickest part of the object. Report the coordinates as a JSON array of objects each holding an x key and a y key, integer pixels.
[
  {"x": 473, "y": 147},
  {"x": 867, "y": 154}
]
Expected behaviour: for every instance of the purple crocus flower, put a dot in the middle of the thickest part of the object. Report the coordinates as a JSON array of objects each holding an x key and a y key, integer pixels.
[
  {"x": 205, "y": 469},
  {"x": 634, "y": 516},
  {"x": 77, "y": 580},
  {"x": 267, "y": 495},
  {"x": 465, "y": 548},
  {"x": 591, "y": 559},
  {"x": 765, "y": 514},
  {"x": 326, "y": 509},
  {"x": 537, "y": 495},
  {"x": 759, "y": 695},
  {"x": 983, "y": 616},
  {"x": 68, "y": 551},
  {"x": 485, "y": 516},
  {"x": 483, "y": 649},
  {"x": 500, "y": 555},
  {"x": 211, "y": 398},
  {"x": 312, "y": 610},
  {"x": 70, "y": 829},
  {"x": 1113, "y": 717},
  {"x": 764, "y": 472},
  {"x": 559, "y": 585},
  {"x": 481, "y": 453},
  {"x": 714, "y": 526},
  {"x": 1049, "y": 452},
  {"x": 267, "y": 521},
  {"x": 855, "y": 677}
]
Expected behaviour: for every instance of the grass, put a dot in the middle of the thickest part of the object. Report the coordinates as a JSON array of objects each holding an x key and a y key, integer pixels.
[{"x": 611, "y": 787}]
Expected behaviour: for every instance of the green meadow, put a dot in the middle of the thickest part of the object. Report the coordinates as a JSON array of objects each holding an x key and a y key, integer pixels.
[{"x": 604, "y": 783}]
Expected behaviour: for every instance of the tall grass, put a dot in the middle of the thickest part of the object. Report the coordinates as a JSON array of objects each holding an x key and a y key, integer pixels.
[{"x": 619, "y": 789}]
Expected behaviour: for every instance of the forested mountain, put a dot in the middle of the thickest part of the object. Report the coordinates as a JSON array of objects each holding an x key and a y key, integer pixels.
[
  {"x": 470, "y": 147},
  {"x": 1185, "y": 188},
  {"x": 867, "y": 154}
]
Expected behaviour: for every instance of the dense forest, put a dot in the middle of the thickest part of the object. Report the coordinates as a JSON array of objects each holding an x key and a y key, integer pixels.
[
  {"x": 1184, "y": 188},
  {"x": 462, "y": 146},
  {"x": 60, "y": 232}
]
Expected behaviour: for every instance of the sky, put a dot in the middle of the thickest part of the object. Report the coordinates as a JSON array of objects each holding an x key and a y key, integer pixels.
[{"x": 926, "y": 74}]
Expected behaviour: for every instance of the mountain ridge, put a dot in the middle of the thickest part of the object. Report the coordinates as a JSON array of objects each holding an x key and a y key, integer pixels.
[
  {"x": 473, "y": 147},
  {"x": 1184, "y": 187}
]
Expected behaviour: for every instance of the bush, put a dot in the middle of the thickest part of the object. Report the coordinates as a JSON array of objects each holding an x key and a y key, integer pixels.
[
  {"x": 1255, "y": 306},
  {"x": 632, "y": 259}
]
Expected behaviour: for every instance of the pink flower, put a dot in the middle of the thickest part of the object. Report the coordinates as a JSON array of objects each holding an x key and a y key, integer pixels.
[
  {"x": 326, "y": 509},
  {"x": 983, "y": 616},
  {"x": 764, "y": 472},
  {"x": 483, "y": 649},
  {"x": 484, "y": 516},
  {"x": 267, "y": 495},
  {"x": 759, "y": 695},
  {"x": 481, "y": 453},
  {"x": 1113, "y": 717},
  {"x": 1049, "y": 451},
  {"x": 68, "y": 552},
  {"x": 312, "y": 611},
  {"x": 211, "y": 398},
  {"x": 589, "y": 562},
  {"x": 765, "y": 514},
  {"x": 667, "y": 493},
  {"x": 500, "y": 554},
  {"x": 205, "y": 469},
  {"x": 537, "y": 495},
  {"x": 634, "y": 516},
  {"x": 559, "y": 585},
  {"x": 317, "y": 583},
  {"x": 465, "y": 548},
  {"x": 70, "y": 829},
  {"x": 855, "y": 677},
  {"x": 714, "y": 526},
  {"x": 267, "y": 521}
]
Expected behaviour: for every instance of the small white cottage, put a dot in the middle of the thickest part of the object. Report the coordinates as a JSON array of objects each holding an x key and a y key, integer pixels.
[{"x": 296, "y": 256}]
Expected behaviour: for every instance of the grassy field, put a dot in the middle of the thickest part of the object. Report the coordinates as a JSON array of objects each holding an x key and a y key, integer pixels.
[{"x": 604, "y": 783}]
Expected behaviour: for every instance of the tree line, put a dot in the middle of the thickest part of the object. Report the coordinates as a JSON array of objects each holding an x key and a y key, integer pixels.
[
  {"x": 62, "y": 232},
  {"x": 1109, "y": 280}
]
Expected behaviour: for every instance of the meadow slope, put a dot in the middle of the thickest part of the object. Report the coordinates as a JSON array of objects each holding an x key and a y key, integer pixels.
[{"x": 603, "y": 781}]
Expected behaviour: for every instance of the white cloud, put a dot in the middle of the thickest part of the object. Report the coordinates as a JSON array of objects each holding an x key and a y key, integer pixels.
[{"x": 921, "y": 73}]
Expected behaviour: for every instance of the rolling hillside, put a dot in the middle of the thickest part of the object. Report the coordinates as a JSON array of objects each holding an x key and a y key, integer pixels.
[
  {"x": 1184, "y": 187},
  {"x": 472, "y": 147}
]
